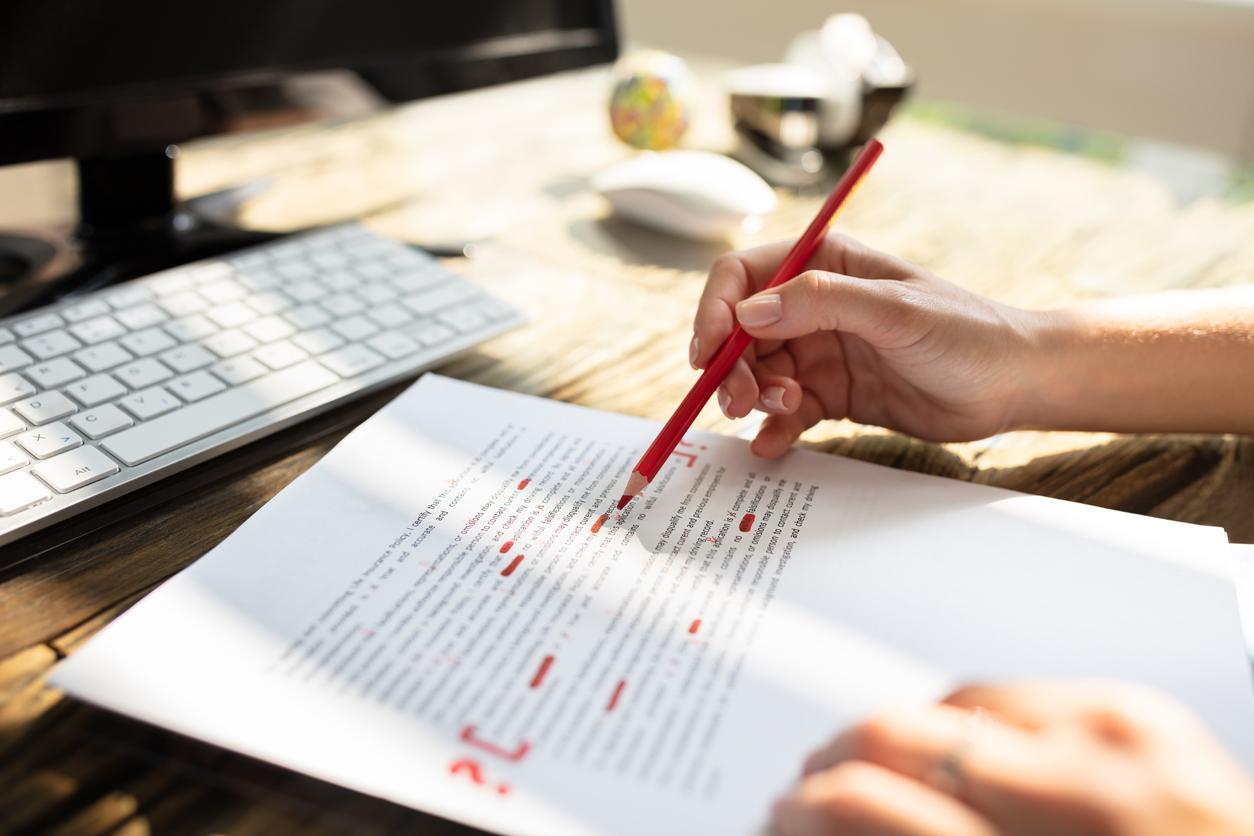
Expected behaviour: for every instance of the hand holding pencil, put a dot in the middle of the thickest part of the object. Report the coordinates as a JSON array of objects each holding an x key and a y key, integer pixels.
[{"x": 731, "y": 350}]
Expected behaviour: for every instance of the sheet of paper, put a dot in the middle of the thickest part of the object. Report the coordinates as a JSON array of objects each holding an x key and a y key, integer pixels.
[{"x": 443, "y": 613}]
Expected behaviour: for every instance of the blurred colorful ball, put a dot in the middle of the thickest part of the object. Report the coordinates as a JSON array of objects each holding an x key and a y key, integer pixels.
[{"x": 653, "y": 99}]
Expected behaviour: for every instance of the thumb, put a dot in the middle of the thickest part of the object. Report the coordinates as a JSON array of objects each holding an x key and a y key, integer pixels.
[{"x": 883, "y": 312}]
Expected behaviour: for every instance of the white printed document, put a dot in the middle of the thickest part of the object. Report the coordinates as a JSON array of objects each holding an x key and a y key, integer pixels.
[{"x": 446, "y": 612}]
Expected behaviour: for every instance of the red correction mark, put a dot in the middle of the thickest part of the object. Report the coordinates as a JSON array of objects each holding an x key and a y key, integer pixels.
[
  {"x": 476, "y": 774},
  {"x": 524, "y": 483},
  {"x": 746, "y": 522},
  {"x": 691, "y": 457},
  {"x": 468, "y": 736},
  {"x": 506, "y": 546},
  {"x": 509, "y": 570},
  {"x": 544, "y": 669},
  {"x": 601, "y": 520},
  {"x": 696, "y": 625},
  {"x": 618, "y": 692}
]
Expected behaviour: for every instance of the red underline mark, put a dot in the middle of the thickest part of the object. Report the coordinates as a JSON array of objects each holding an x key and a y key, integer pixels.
[
  {"x": 468, "y": 736},
  {"x": 509, "y": 570},
  {"x": 544, "y": 669},
  {"x": 746, "y": 522},
  {"x": 524, "y": 483},
  {"x": 696, "y": 625},
  {"x": 601, "y": 520},
  {"x": 618, "y": 692},
  {"x": 506, "y": 546}
]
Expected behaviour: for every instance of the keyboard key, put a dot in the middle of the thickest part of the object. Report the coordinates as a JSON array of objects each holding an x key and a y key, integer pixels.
[
  {"x": 6, "y": 336},
  {"x": 425, "y": 304},
  {"x": 149, "y": 403},
  {"x": 96, "y": 390},
  {"x": 55, "y": 373},
  {"x": 223, "y": 291},
  {"x": 231, "y": 315},
  {"x": 269, "y": 302},
  {"x": 37, "y": 325},
  {"x": 43, "y": 442},
  {"x": 143, "y": 373},
  {"x": 19, "y": 491},
  {"x": 238, "y": 370},
  {"x": 147, "y": 441},
  {"x": 390, "y": 316},
  {"x": 417, "y": 282},
  {"x": 431, "y": 333},
  {"x": 464, "y": 319},
  {"x": 183, "y": 304},
  {"x": 355, "y": 328},
  {"x": 280, "y": 355},
  {"x": 86, "y": 310},
  {"x": 377, "y": 294},
  {"x": 104, "y": 356},
  {"x": 141, "y": 316},
  {"x": 187, "y": 358},
  {"x": 165, "y": 284},
  {"x": 343, "y": 304},
  {"x": 10, "y": 424},
  {"x": 128, "y": 296},
  {"x": 306, "y": 291},
  {"x": 191, "y": 328},
  {"x": 393, "y": 345},
  {"x": 340, "y": 281},
  {"x": 11, "y": 458},
  {"x": 14, "y": 386},
  {"x": 146, "y": 342},
  {"x": 101, "y": 421},
  {"x": 318, "y": 340},
  {"x": 229, "y": 343},
  {"x": 211, "y": 272},
  {"x": 13, "y": 358},
  {"x": 258, "y": 278},
  {"x": 50, "y": 344},
  {"x": 46, "y": 407},
  {"x": 98, "y": 330},
  {"x": 72, "y": 470},
  {"x": 269, "y": 328},
  {"x": 195, "y": 386},
  {"x": 351, "y": 360},
  {"x": 296, "y": 270},
  {"x": 307, "y": 316}
]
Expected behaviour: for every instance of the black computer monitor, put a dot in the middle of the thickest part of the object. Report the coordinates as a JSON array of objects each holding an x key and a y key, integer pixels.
[{"x": 115, "y": 83}]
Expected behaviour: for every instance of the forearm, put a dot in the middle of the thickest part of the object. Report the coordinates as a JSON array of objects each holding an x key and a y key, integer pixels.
[{"x": 1170, "y": 362}]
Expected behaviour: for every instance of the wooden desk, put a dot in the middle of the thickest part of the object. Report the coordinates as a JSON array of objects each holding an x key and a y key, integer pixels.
[{"x": 613, "y": 305}]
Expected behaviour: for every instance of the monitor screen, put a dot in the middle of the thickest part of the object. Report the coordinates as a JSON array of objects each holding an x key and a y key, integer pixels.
[{"x": 59, "y": 58}]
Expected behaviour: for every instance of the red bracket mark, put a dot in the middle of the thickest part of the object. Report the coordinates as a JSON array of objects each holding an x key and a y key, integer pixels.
[
  {"x": 506, "y": 546},
  {"x": 540, "y": 674},
  {"x": 476, "y": 774},
  {"x": 618, "y": 692},
  {"x": 746, "y": 522},
  {"x": 468, "y": 736},
  {"x": 691, "y": 457},
  {"x": 524, "y": 483},
  {"x": 509, "y": 570},
  {"x": 690, "y": 444},
  {"x": 601, "y": 520},
  {"x": 696, "y": 625}
]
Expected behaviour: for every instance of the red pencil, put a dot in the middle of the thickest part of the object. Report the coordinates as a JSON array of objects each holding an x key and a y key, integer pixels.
[{"x": 664, "y": 445}]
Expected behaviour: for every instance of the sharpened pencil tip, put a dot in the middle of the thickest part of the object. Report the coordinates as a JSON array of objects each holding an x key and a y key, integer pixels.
[
  {"x": 635, "y": 485},
  {"x": 622, "y": 502}
]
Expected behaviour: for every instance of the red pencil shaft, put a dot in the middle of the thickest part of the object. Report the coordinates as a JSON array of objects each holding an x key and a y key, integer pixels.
[{"x": 734, "y": 346}]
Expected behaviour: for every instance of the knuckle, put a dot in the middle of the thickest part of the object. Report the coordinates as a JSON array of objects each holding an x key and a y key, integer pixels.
[{"x": 847, "y": 792}]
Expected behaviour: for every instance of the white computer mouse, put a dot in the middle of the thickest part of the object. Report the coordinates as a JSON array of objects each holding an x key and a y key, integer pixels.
[{"x": 692, "y": 194}]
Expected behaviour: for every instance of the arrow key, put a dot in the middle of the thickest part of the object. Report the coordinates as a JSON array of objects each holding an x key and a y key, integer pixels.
[
  {"x": 75, "y": 469},
  {"x": 48, "y": 440}
]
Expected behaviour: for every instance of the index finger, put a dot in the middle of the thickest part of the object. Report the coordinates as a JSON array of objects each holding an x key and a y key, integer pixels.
[{"x": 733, "y": 277}]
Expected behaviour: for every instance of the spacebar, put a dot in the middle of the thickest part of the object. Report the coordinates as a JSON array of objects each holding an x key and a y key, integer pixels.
[{"x": 183, "y": 426}]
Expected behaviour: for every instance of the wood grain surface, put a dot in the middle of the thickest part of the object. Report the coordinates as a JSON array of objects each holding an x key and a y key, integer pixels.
[{"x": 612, "y": 306}]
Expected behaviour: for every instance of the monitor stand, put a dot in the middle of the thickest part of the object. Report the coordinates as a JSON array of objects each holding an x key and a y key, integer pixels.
[{"x": 131, "y": 224}]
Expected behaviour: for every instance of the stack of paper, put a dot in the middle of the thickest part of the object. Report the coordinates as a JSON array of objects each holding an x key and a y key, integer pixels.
[{"x": 445, "y": 612}]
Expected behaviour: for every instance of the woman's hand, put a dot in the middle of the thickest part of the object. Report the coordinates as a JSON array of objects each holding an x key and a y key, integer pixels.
[
  {"x": 1057, "y": 760},
  {"x": 865, "y": 336}
]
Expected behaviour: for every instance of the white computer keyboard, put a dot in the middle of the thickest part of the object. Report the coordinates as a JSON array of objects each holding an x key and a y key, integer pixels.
[{"x": 129, "y": 384}]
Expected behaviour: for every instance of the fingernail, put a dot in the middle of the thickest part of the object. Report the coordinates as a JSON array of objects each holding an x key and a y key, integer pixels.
[
  {"x": 773, "y": 397},
  {"x": 760, "y": 310},
  {"x": 692, "y": 352},
  {"x": 724, "y": 401}
]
